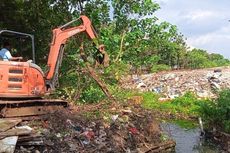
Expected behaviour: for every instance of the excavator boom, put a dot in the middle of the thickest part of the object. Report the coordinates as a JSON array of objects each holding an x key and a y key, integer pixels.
[{"x": 60, "y": 36}]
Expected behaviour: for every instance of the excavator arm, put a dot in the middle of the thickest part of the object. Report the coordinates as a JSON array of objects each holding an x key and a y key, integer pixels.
[{"x": 60, "y": 36}]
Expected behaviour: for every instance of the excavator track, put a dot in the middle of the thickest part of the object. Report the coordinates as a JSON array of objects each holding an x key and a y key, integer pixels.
[{"x": 31, "y": 107}]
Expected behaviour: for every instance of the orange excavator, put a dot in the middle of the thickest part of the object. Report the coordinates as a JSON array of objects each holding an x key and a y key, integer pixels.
[{"x": 23, "y": 84}]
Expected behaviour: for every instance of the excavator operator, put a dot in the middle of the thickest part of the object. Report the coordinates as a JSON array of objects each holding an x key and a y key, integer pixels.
[{"x": 5, "y": 54}]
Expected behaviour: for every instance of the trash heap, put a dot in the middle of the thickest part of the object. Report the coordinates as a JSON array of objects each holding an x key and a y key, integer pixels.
[
  {"x": 203, "y": 82},
  {"x": 119, "y": 130}
]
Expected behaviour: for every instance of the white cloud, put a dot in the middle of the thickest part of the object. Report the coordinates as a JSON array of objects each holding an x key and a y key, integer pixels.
[
  {"x": 217, "y": 41},
  {"x": 203, "y": 22},
  {"x": 199, "y": 15}
]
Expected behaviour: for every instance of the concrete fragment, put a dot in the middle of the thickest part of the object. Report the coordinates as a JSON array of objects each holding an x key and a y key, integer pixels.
[{"x": 7, "y": 145}]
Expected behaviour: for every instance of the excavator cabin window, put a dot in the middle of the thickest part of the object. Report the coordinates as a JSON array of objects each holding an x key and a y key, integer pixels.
[{"x": 22, "y": 44}]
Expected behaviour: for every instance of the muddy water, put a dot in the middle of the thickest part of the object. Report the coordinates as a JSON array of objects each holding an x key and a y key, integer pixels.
[{"x": 188, "y": 140}]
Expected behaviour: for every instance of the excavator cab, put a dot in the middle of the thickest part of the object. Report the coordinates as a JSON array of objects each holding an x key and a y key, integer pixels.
[
  {"x": 20, "y": 79},
  {"x": 21, "y": 39}
]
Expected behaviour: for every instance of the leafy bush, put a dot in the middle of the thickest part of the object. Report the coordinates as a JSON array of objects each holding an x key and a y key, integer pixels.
[
  {"x": 216, "y": 113},
  {"x": 160, "y": 67},
  {"x": 187, "y": 104},
  {"x": 92, "y": 94},
  {"x": 186, "y": 100}
]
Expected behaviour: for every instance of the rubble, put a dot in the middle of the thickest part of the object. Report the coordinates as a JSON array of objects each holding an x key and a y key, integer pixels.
[
  {"x": 12, "y": 134},
  {"x": 171, "y": 84},
  {"x": 8, "y": 144}
]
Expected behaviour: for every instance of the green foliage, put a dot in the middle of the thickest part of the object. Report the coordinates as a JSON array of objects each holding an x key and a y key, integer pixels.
[
  {"x": 115, "y": 71},
  {"x": 226, "y": 124},
  {"x": 88, "y": 93},
  {"x": 186, "y": 100},
  {"x": 92, "y": 94},
  {"x": 186, "y": 104},
  {"x": 160, "y": 67},
  {"x": 217, "y": 112},
  {"x": 185, "y": 124},
  {"x": 164, "y": 137},
  {"x": 149, "y": 99},
  {"x": 198, "y": 58}
]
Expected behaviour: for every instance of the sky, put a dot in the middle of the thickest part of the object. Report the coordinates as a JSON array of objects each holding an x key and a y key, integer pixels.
[{"x": 204, "y": 23}]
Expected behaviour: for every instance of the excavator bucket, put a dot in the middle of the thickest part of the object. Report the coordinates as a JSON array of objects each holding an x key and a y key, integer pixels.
[{"x": 102, "y": 58}]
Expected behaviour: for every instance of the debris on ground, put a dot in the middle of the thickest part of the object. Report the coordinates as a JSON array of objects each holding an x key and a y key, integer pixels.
[
  {"x": 14, "y": 133},
  {"x": 6, "y": 124},
  {"x": 171, "y": 84},
  {"x": 8, "y": 144},
  {"x": 221, "y": 138},
  {"x": 118, "y": 128}
]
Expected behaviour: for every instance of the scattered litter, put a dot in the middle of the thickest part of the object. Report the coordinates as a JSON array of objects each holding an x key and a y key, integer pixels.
[
  {"x": 202, "y": 82},
  {"x": 141, "y": 85},
  {"x": 126, "y": 111},
  {"x": 58, "y": 135},
  {"x": 217, "y": 70},
  {"x": 114, "y": 117},
  {"x": 12, "y": 136},
  {"x": 17, "y": 131},
  {"x": 125, "y": 130},
  {"x": 133, "y": 130},
  {"x": 89, "y": 134},
  {"x": 25, "y": 127},
  {"x": 157, "y": 89},
  {"x": 136, "y": 100},
  {"x": 31, "y": 143}
]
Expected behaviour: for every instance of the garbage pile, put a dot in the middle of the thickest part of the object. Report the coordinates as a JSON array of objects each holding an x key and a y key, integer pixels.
[
  {"x": 203, "y": 82},
  {"x": 118, "y": 130}
]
